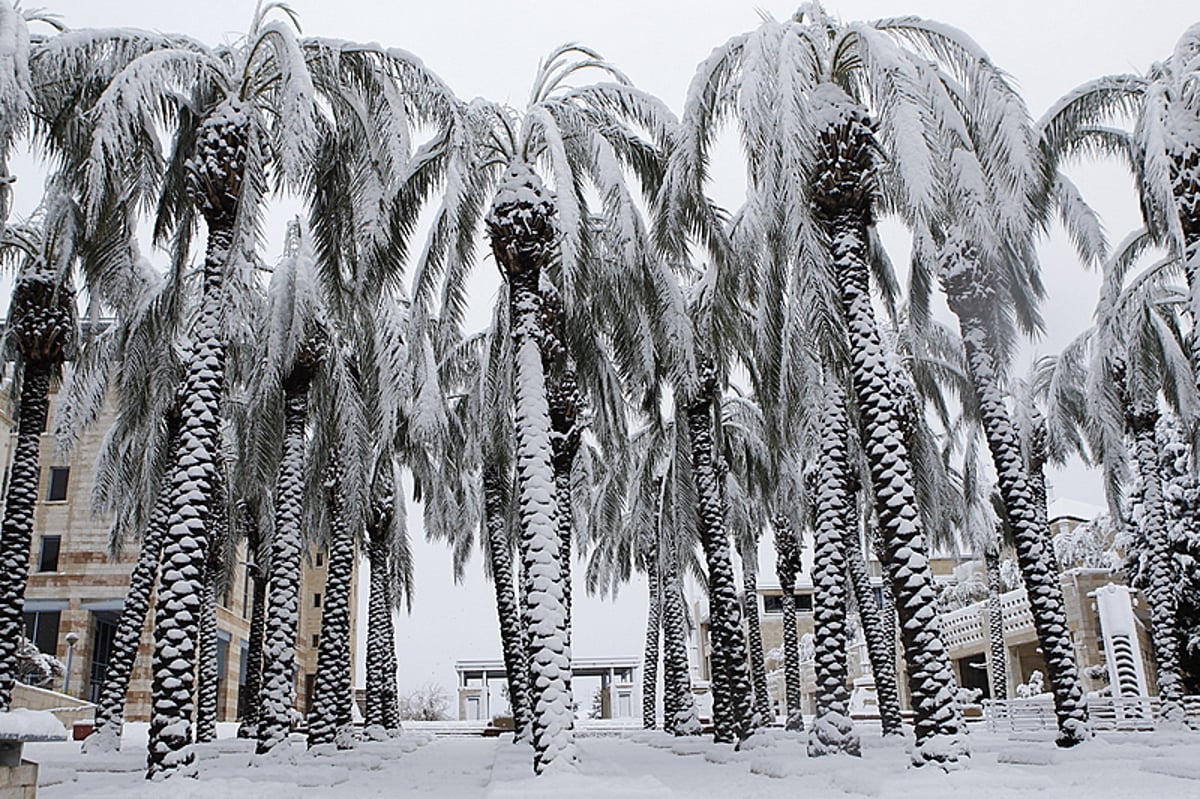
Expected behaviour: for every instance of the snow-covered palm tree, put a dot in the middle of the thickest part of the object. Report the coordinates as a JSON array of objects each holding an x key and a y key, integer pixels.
[
  {"x": 1162, "y": 148},
  {"x": 581, "y": 136},
  {"x": 15, "y": 94},
  {"x": 39, "y": 336},
  {"x": 1139, "y": 364},
  {"x": 818, "y": 102}
]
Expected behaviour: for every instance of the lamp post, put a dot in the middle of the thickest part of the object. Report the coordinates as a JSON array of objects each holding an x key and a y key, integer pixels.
[{"x": 72, "y": 638}]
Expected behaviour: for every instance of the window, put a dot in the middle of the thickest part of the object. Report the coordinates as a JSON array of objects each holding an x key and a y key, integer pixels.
[
  {"x": 48, "y": 560},
  {"x": 316, "y": 600},
  {"x": 41, "y": 628},
  {"x": 878, "y": 591},
  {"x": 774, "y": 603},
  {"x": 58, "y": 484},
  {"x": 320, "y": 560},
  {"x": 316, "y": 641}
]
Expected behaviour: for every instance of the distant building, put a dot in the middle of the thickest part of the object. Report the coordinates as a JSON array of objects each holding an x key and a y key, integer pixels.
[
  {"x": 76, "y": 586},
  {"x": 1109, "y": 625}
]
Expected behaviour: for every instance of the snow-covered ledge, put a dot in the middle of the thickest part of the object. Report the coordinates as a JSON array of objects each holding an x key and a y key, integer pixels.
[{"x": 19, "y": 777}]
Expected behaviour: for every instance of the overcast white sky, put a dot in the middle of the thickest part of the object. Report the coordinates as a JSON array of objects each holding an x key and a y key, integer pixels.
[{"x": 491, "y": 49}]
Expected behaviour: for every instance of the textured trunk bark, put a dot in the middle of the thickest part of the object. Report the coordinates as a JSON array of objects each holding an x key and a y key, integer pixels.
[
  {"x": 733, "y": 709},
  {"x": 881, "y": 640},
  {"x": 330, "y": 720},
  {"x": 1037, "y": 485},
  {"x": 787, "y": 565},
  {"x": 1160, "y": 588},
  {"x": 380, "y": 632},
  {"x": 832, "y": 731},
  {"x": 185, "y": 544},
  {"x": 522, "y": 231},
  {"x": 206, "y": 671},
  {"x": 843, "y": 194},
  {"x": 19, "y": 505},
  {"x": 679, "y": 703},
  {"x": 278, "y": 695},
  {"x": 998, "y": 652},
  {"x": 970, "y": 294},
  {"x": 758, "y": 666},
  {"x": 507, "y": 611},
  {"x": 254, "y": 654},
  {"x": 653, "y": 623},
  {"x": 938, "y": 726}
]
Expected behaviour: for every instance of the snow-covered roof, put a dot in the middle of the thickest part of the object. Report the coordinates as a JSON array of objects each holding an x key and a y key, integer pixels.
[{"x": 1061, "y": 507}]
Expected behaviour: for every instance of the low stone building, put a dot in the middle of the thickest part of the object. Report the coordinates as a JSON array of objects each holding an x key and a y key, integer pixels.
[{"x": 1109, "y": 626}]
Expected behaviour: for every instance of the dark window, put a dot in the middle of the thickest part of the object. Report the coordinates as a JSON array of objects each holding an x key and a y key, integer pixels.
[
  {"x": 878, "y": 591},
  {"x": 316, "y": 641},
  {"x": 59, "y": 475},
  {"x": 774, "y": 603},
  {"x": 102, "y": 647},
  {"x": 41, "y": 628},
  {"x": 48, "y": 560},
  {"x": 320, "y": 560},
  {"x": 316, "y": 600}
]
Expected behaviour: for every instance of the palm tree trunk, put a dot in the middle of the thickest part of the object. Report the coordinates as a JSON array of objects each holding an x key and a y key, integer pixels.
[
  {"x": 508, "y": 613},
  {"x": 254, "y": 653},
  {"x": 278, "y": 695},
  {"x": 1037, "y": 484},
  {"x": 1142, "y": 417},
  {"x": 832, "y": 731},
  {"x": 997, "y": 651},
  {"x": 19, "y": 505},
  {"x": 381, "y": 636},
  {"x": 330, "y": 720},
  {"x": 185, "y": 545},
  {"x": 653, "y": 623},
  {"x": 206, "y": 674},
  {"x": 843, "y": 194},
  {"x": 881, "y": 642},
  {"x": 522, "y": 232},
  {"x": 970, "y": 295},
  {"x": 787, "y": 564},
  {"x": 208, "y": 669},
  {"x": 733, "y": 708},
  {"x": 679, "y": 703},
  {"x": 758, "y": 666}
]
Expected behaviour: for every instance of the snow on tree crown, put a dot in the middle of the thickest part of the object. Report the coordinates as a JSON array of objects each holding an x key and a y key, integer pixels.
[{"x": 521, "y": 221}]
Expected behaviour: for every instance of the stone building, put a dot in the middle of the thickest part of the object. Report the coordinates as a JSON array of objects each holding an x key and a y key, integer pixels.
[
  {"x": 77, "y": 585},
  {"x": 1109, "y": 626}
]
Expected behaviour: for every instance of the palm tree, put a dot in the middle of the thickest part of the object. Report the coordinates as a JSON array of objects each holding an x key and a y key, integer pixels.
[
  {"x": 39, "y": 336},
  {"x": 1140, "y": 355},
  {"x": 582, "y": 136},
  {"x": 818, "y": 173},
  {"x": 1161, "y": 151}
]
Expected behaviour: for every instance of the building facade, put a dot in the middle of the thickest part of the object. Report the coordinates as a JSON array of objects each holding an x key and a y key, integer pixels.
[{"x": 77, "y": 585}]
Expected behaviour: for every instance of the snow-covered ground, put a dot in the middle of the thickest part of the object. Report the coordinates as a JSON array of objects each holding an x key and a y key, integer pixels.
[{"x": 641, "y": 765}]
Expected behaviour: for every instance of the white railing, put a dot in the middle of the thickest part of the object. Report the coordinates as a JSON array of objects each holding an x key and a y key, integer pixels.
[
  {"x": 965, "y": 628},
  {"x": 1104, "y": 712}
]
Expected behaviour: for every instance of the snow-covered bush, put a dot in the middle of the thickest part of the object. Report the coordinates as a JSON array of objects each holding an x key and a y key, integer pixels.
[
  {"x": 1091, "y": 545},
  {"x": 35, "y": 667},
  {"x": 430, "y": 702}
]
